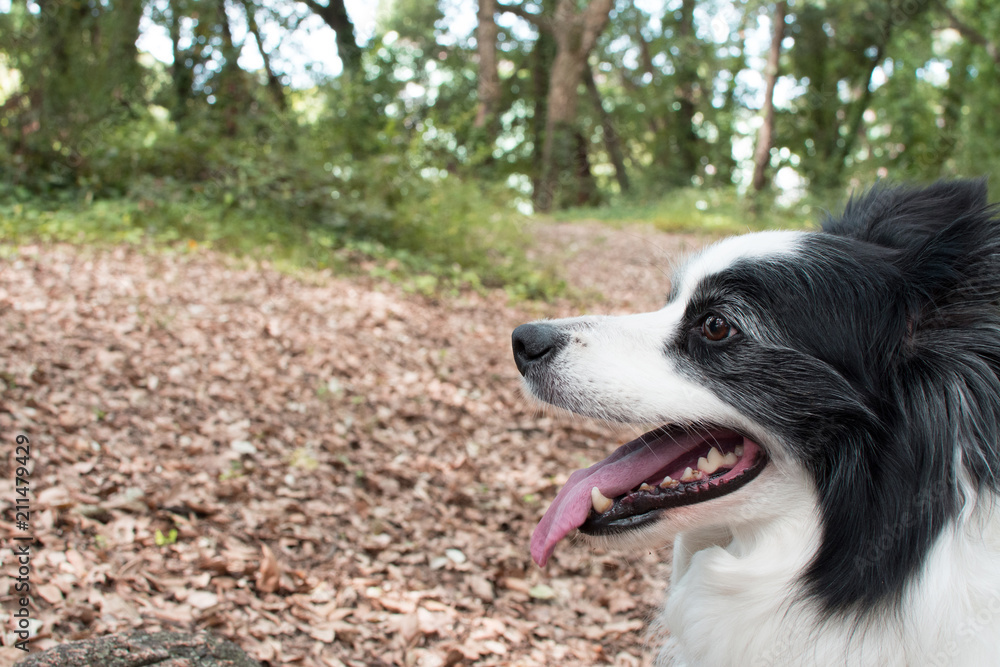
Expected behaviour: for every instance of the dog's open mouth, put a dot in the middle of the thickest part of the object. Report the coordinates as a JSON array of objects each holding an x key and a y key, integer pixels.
[{"x": 665, "y": 468}]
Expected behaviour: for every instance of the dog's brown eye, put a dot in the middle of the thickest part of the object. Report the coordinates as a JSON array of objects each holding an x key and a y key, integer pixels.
[{"x": 716, "y": 327}]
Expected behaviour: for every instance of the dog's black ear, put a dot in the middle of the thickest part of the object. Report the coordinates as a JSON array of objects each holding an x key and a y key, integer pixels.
[
  {"x": 946, "y": 237},
  {"x": 943, "y": 246},
  {"x": 906, "y": 216}
]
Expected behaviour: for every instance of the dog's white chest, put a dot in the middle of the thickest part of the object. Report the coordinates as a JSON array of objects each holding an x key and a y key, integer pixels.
[{"x": 727, "y": 609}]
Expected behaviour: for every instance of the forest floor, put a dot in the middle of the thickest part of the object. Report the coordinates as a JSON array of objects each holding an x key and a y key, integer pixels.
[{"x": 326, "y": 470}]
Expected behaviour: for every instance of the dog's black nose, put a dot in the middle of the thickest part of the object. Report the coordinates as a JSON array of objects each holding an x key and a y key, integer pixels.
[{"x": 535, "y": 342}]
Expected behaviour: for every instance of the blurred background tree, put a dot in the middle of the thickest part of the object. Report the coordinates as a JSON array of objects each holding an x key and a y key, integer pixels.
[{"x": 280, "y": 121}]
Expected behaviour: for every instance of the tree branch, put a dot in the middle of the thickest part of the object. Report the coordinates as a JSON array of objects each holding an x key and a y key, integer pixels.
[
  {"x": 537, "y": 20},
  {"x": 273, "y": 82},
  {"x": 334, "y": 14},
  {"x": 489, "y": 78},
  {"x": 611, "y": 139},
  {"x": 595, "y": 17},
  {"x": 765, "y": 138},
  {"x": 971, "y": 33}
]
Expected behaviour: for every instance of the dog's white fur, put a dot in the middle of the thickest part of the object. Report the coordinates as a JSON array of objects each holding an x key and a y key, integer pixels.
[{"x": 735, "y": 597}]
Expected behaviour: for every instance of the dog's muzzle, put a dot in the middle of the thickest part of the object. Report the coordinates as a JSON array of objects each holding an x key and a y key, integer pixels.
[{"x": 535, "y": 343}]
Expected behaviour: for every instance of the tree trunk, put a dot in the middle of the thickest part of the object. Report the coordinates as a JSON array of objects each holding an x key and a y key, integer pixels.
[
  {"x": 687, "y": 76},
  {"x": 273, "y": 82},
  {"x": 645, "y": 53},
  {"x": 575, "y": 35},
  {"x": 931, "y": 157},
  {"x": 334, "y": 14},
  {"x": 971, "y": 34},
  {"x": 558, "y": 147},
  {"x": 542, "y": 56},
  {"x": 489, "y": 78},
  {"x": 724, "y": 162},
  {"x": 586, "y": 186},
  {"x": 856, "y": 113},
  {"x": 123, "y": 56},
  {"x": 58, "y": 85},
  {"x": 233, "y": 93},
  {"x": 611, "y": 139},
  {"x": 80, "y": 74},
  {"x": 765, "y": 139},
  {"x": 181, "y": 74}
]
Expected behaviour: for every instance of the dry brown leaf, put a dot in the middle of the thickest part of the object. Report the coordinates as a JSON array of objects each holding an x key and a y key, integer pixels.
[
  {"x": 411, "y": 438},
  {"x": 431, "y": 622},
  {"x": 202, "y": 599},
  {"x": 55, "y": 496},
  {"x": 50, "y": 593},
  {"x": 409, "y": 627},
  {"x": 116, "y": 607},
  {"x": 325, "y": 633},
  {"x": 269, "y": 572},
  {"x": 620, "y": 601},
  {"x": 481, "y": 587}
]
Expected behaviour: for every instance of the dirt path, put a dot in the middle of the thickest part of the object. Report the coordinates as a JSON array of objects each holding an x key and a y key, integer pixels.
[
  {"x": 328, "y": 471},
  {"x": 625, "y": 270}
]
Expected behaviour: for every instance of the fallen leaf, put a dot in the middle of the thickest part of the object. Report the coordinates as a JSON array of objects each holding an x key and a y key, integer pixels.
[
  {"x": 383, "y": 452},
  {"x": 202, "y": 599},
  {"x": 541, "y": 592},
  {"x": 50, "y": 593}
]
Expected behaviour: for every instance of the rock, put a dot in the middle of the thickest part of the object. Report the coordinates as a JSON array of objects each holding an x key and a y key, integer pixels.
[{"x": 139, "y": 649}]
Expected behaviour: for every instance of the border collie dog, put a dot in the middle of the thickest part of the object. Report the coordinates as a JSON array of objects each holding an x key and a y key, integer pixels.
[{"x": 826, "y": 460}]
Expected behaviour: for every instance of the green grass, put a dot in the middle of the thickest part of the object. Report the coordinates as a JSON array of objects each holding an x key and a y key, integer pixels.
[
  {"x": 454, "y": 239},
  {"x": 449, "y": 248},
  {"x": 701, "y": 210},
  {"x": 164, "y": 223}
]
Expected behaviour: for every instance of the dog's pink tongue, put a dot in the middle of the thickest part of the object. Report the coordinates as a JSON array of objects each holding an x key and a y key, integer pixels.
[{"x": 629, "y": 466}]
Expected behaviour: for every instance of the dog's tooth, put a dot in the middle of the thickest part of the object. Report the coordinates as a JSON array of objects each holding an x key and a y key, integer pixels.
[
  {"x": 669, "y": 483},
  {"x": 739, "y": 450},
  {"x": 730, "y": 459},
  {"x": 688, "y": 475},
  {"x": 599, "y": 501},
  {"x": 645, "y": 487},
  {"x": 712, "y": 463}
]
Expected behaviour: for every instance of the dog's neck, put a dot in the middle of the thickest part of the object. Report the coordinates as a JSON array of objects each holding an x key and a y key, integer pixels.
[{"x": 736, "y": 599}]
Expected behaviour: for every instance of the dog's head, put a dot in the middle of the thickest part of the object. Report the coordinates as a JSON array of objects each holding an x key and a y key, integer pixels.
[{"x": 854, "y": 369}]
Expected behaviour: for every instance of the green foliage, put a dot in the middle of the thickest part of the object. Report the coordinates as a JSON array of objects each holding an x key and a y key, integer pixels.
[
  {"x": 385, "y": 169},
  {"x": 57, "y": 51},
  {"x": 355, "y": 184},
  {"x": 162, "y": 540},
  {"x": 234, "y": 471},
  {"x": 710, "y": 210},
  {"x": 673, "y": 93},
  {"x": 456, "y": 237}
]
